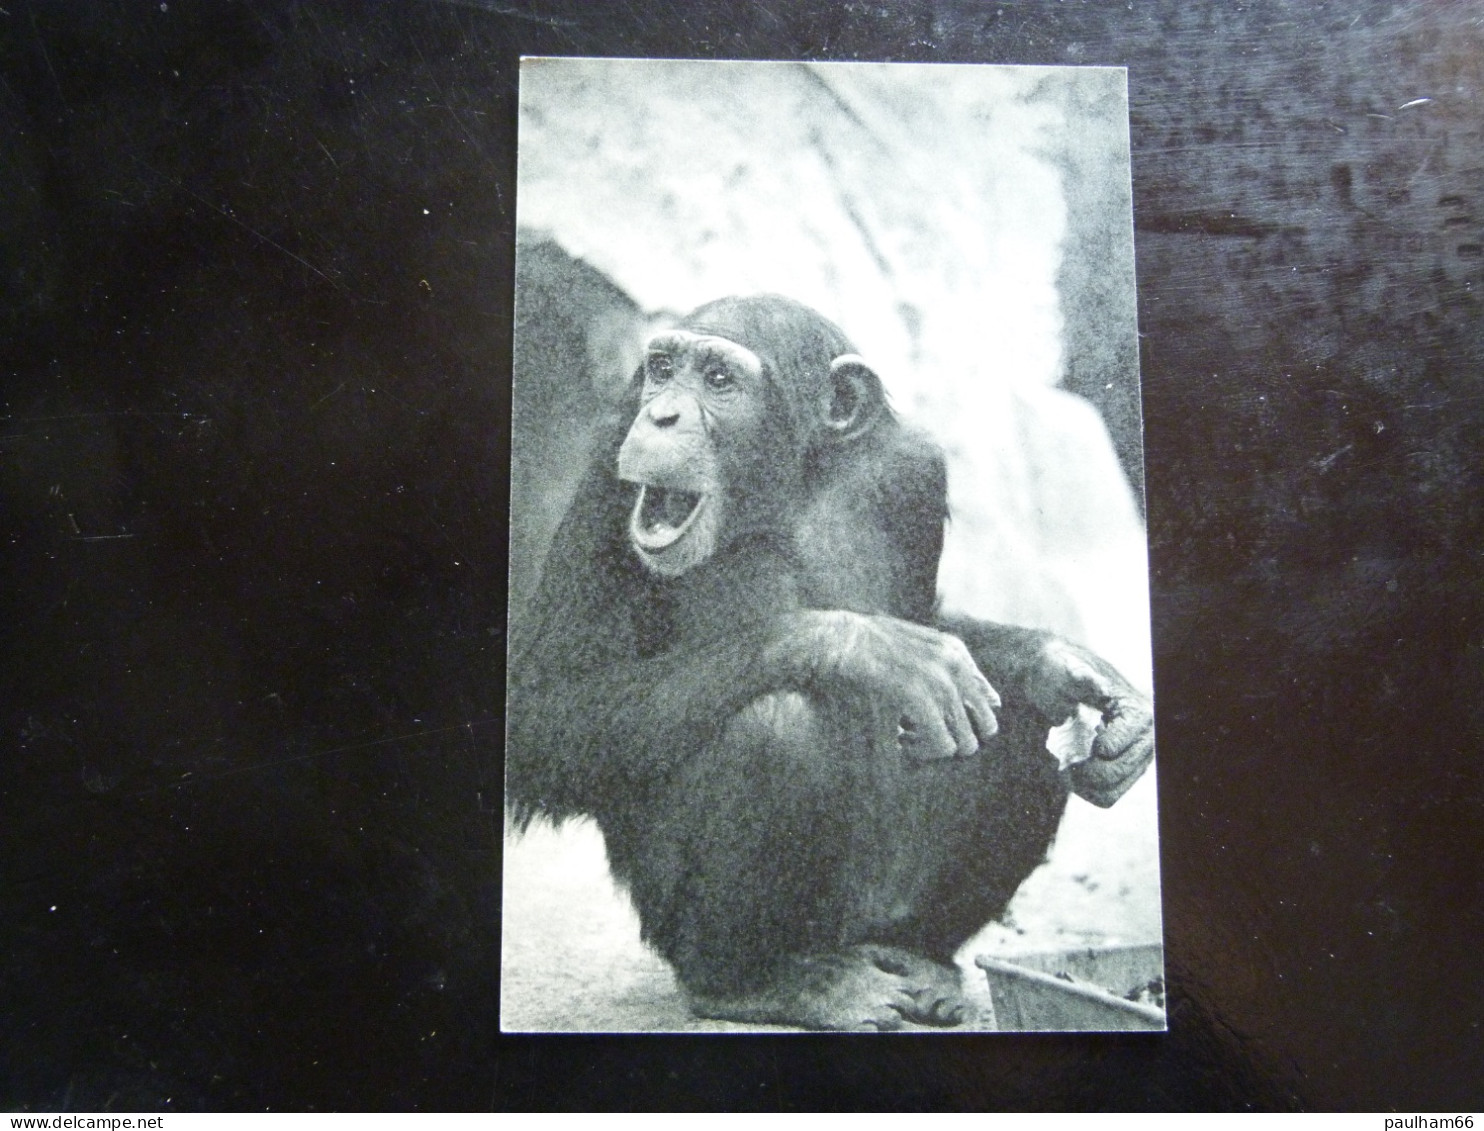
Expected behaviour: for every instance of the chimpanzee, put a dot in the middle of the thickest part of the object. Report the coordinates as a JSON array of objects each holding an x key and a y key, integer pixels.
[{"x": 734, "y": 665}]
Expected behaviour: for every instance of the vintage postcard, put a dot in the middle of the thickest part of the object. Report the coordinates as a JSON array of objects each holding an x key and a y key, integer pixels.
[{"x": 830, "y": 693}]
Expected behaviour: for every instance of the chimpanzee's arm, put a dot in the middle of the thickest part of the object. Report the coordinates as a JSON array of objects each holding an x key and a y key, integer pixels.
[
  {"x": 588, "y": 729},
  {"x": 1013, "y": 658},
  {"x": 606, "y": 696},
  {"x": 584, "y": 734},
  {"x": 1053, "y": 676}
]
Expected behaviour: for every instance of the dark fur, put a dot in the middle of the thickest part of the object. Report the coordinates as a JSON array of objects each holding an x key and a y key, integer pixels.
[{"x": 753, "y": 822}]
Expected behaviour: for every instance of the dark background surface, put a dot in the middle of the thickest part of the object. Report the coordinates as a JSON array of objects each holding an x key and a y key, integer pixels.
[{"x": 255, "y": 311}]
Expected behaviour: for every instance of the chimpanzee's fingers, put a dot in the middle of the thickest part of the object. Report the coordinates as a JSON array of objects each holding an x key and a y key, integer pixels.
[
  {"x": 1128, "y": 732},
  {"x": 936, "y": 741},
  {"x": 954, "y": 713},
  {"x": 1121, "y": 752},
  {"x": 966, "y": 741},
  {"x": 981, "y": 701},
  {"x": 978, "y": 698},
  {"x": 925, "y": 732},
  {"x": 982, "y": 716},
  {"x": 1103, "y": 782}
]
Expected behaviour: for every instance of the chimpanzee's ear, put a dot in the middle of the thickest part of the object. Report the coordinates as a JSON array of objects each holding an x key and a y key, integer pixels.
[{"x": 855, "y": 399}]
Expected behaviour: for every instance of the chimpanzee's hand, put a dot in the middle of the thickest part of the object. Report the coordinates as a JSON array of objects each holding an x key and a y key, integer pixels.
[
  {"x": 1066, "y": 675},
  {"x": 945, "y": 704}
]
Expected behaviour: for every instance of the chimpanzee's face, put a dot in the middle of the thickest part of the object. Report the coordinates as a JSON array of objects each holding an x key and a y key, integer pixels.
[{"x": 699, "y": 448}]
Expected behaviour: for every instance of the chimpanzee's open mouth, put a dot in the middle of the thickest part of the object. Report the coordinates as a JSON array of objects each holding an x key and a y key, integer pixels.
[{"x": 662, "y": 515}]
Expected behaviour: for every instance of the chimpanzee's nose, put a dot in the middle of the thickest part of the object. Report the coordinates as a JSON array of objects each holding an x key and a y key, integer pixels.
[{"x": 664, "y": 411}]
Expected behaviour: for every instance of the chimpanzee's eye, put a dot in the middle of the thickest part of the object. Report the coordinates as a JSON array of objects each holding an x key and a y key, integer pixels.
[
  {"x": 659, "y": 368},
  {"x": 719, "y": 377}
]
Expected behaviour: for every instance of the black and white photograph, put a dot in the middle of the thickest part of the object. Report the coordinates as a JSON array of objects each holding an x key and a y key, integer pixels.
[
  {"x": 830, "y": 691},
  {"x": 573, "y": 556}
]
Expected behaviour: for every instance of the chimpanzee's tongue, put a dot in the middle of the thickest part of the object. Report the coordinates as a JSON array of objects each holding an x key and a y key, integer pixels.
[{"x": 667, "y": 507}]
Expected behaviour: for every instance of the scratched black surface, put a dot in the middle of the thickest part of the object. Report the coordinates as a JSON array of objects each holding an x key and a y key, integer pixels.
[{"x": 255, "y": 320}]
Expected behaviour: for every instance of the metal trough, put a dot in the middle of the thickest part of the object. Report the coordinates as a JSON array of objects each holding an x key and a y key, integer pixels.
[{"x": 1070, "y": 990}]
